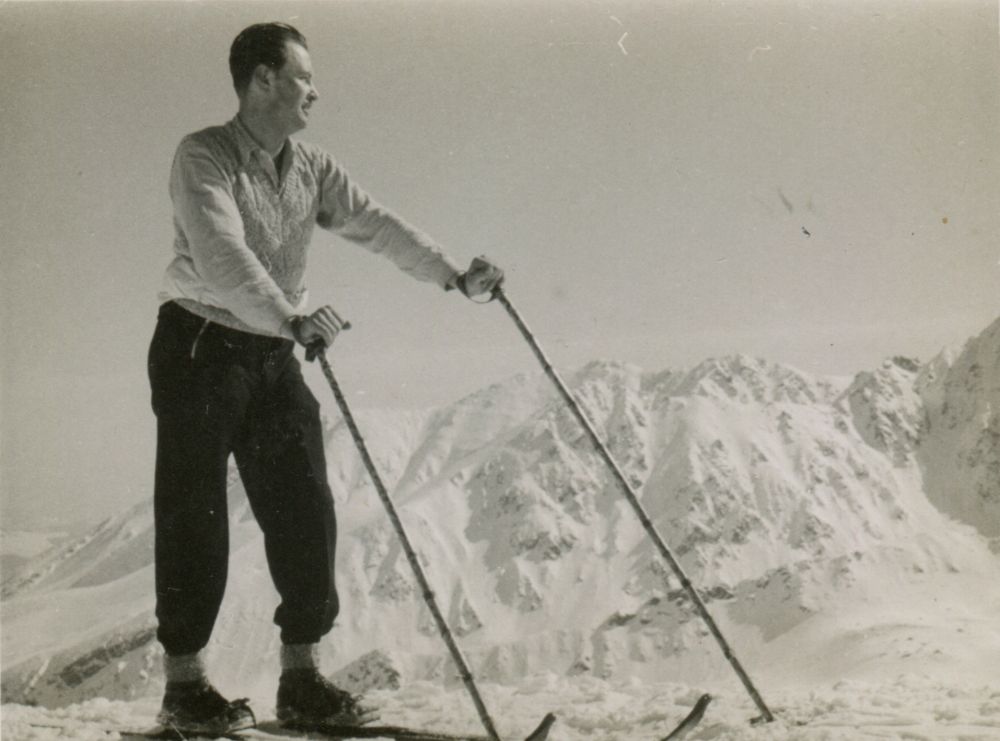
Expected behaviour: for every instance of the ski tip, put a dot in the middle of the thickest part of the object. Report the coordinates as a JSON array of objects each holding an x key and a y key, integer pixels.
[
  {"x": 697, "y": 712},
  {"x": 542, "y": 732},
  {"x": 690, "y": 721}
]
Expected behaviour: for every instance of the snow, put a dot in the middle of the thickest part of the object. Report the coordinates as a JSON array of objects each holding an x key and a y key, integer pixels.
[
  {"x": 18, "y": 547},
  {"x": 27, "y": 544},
  {"x": 844, "y": 534},
  {"x": 909, "y": 707}
]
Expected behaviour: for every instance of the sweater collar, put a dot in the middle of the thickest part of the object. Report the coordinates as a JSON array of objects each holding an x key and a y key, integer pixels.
[
  {"x": 245, "y": 141},
  {"x": 248, "y": 147}
]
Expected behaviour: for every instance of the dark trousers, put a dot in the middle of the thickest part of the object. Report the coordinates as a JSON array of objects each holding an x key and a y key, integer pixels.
[{"x": 217, "y": 391}]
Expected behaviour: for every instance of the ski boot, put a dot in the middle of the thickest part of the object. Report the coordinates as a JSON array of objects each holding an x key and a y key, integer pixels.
[
  {"x": 198, "y": 708},
  {"x": 307, "y": 701}
]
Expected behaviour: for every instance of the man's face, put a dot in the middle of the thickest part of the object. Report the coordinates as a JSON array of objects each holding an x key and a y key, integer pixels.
[{"x": 293, "y": 91}]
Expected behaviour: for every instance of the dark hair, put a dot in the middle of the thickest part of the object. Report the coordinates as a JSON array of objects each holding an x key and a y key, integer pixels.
[{"x": 261, "y": 43}]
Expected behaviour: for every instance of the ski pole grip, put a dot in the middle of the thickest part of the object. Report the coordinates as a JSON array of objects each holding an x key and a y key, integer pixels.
[
  {"x": 317, "y": 347},
  {"x": 314, "y": 350},
  {"x": 479, "y": 263}
]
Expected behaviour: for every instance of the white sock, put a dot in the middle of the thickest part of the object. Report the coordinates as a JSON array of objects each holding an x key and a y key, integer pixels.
[{"x": 184, "y": 668}]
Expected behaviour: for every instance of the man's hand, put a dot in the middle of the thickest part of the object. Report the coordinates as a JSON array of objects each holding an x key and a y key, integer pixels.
[
  {"x": 481, "y": 277},
  {"x": 324, "y": 325}
]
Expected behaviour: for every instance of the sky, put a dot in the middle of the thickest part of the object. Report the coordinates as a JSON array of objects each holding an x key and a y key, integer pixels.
[{"x": 810, "y": 182}]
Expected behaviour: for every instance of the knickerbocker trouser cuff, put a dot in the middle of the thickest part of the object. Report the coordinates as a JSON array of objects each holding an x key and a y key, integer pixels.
[{"x": 299, "y": 656}]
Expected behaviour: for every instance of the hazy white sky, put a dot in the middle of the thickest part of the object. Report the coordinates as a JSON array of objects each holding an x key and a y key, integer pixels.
[{"x": 812, "y": 182}]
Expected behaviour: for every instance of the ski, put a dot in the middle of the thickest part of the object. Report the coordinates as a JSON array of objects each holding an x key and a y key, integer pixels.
[
  {"x": 397, "y": 733},
  {"x": 690, "y": 721},
  {"x": 272, "y": 729},
  {"x": 160, "y": 733},
  {"x": 371, "y": 731}
]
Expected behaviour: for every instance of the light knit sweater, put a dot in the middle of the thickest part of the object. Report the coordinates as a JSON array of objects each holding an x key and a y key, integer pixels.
[{"x": 243, "y": 229}]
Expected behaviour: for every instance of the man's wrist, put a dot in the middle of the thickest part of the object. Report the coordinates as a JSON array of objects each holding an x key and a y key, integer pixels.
[{"x": 294, "y": 324}]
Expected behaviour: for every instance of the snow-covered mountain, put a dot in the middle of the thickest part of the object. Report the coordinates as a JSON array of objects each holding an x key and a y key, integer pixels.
[
  {"x": 19, "y": 547},
  {"x": 815, "y": 515}
]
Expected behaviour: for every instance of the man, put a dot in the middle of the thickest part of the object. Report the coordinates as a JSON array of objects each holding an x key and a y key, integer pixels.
[{"x": 224, "y": 378}]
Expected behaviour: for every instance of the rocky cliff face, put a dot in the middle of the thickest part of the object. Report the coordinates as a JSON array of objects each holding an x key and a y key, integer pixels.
[
  {"x": 784, "y": 497},
  {"x": 959, "y": 453}
]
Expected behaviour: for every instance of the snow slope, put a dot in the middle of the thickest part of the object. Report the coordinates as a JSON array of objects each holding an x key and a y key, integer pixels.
[
  {"x": 19, "y": 547},
  {"x": 843, "y": 533}
]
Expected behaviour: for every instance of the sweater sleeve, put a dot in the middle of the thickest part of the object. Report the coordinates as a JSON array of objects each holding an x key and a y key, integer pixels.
[
  {"x": 350, "y": 212},
  {"x": 206, "y": 213}
]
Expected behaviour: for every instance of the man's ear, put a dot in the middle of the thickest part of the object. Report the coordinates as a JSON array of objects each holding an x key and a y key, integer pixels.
[{"x": 263, "y": 76}]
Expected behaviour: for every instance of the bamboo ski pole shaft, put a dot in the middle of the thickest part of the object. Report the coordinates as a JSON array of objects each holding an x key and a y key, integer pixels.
[
  {"x": 633, "y": 500},
  {"x": 411, "y": 555}
]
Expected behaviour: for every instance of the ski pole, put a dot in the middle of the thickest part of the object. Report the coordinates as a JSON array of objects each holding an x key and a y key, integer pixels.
[
  {"x": 633, "y": 500},
  {"x": 411, "y": 555}
]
